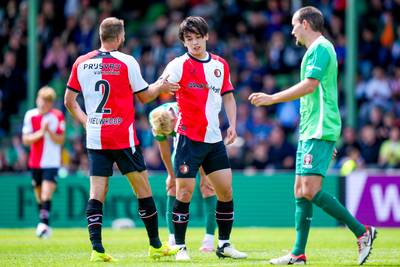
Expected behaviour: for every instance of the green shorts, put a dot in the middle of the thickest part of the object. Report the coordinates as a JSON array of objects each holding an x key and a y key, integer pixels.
[{"x": 313, "y": 157}]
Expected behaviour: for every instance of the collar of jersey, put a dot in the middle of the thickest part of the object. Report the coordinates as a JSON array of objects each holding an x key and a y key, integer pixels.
[
  {"x": 199, "y": 60},
  {"x": 107, "y": 52},
  {"x": 317, "y": 41}
]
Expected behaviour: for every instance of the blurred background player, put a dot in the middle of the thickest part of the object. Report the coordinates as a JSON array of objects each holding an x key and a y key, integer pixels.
[
  {"x": 163, "y": 120},
  {"x": 43, "y": 131},
  {"x": 320, "y": 126},
  {"x": 204, "y": 80},
  {"x": 108, "y": 79}
]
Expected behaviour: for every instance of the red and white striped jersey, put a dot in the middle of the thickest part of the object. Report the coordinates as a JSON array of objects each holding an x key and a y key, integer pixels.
[
  {"x": 107, "y": 81},
  {"x": 44, "y": 153},
  {"x": 203, "y": 82}
]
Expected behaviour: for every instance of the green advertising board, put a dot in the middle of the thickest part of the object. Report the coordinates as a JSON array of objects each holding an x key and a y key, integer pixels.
[{"x": 260, "y": 200}]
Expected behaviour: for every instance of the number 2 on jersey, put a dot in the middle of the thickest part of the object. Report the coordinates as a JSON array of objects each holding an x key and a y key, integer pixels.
[{"x": 106, "y": 86}]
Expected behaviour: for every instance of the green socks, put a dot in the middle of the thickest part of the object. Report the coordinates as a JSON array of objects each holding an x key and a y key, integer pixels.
[
  {"x": 334, "y": 208},
  {"x": 209, "y": 210},
  {"x": 303, "y": 217},
  {"x": 168, "y": 215}
]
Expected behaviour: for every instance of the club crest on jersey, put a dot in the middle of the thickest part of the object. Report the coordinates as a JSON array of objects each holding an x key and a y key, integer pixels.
[
  {"x": 217, "y": 73},
  {"x": 184, "y": 169},
  {"x": 307, "y": 161}
]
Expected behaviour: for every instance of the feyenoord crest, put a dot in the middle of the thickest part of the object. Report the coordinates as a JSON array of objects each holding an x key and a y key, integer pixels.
[
  {"x": 307, "y": 161},
  {"x": 217, "y": 73},
  {"x": 184, "y": 168}
]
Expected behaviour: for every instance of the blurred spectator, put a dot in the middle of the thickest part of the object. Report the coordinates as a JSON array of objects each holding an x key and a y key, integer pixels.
[
  {"x": 369, "y": 146},
  {"x": 389, "y": 154},
  {"x": 258, "y": 158},
  {"x": 349, "y": 142},
  {"x": 12, "y": 86},
  {"x": 351, "y": 161},
  {"x": 55, "y": 60},
  {"x": 377, "y": 89},
  {"x": 260, "y": 125},
  {"x": 281, "y": 154},
  {"x": 236, "y": 154}
]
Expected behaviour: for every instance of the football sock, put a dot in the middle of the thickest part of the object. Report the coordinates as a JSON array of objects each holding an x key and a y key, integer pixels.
[
  {"x": 148, "y": 213},
  {"x": 333, "y": 207},
  {"x": 168, "y": 215},
  {"x": 94, "y": 215},
  {"x": 209, "y": 209},
  {"x": 180, "y": 218},
  {"x": 303, "y": 217},
  {"x": 224, "y": 216},
  {"x": 44, "y": 212}
]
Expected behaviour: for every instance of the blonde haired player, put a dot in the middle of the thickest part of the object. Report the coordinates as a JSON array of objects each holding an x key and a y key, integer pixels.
[
  {"x": 163, "y": 121},
  {"x": 43, "y": 131}
]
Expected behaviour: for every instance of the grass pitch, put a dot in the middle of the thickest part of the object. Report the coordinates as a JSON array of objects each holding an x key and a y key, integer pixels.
[{"x": 71, "y": 247}]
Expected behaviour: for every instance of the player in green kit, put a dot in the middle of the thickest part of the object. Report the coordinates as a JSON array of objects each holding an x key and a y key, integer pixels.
[
  {"x": 320, "y": 126},
  {"x": 163, "y": 120}
]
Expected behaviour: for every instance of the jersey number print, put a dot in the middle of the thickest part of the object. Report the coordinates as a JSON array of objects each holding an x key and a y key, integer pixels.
[{"x": 106, "y": 86}]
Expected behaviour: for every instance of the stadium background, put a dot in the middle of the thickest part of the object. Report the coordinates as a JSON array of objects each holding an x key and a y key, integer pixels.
[{"x": 254, "y": 37}]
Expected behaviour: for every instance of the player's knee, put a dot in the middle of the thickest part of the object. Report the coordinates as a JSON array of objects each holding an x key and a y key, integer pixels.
[
  {"x": 298, "y": 193},
  {"x": 184, "y": 194},
  {"x": 225, "y": 194},
  {"x": 308, "y": 193}
]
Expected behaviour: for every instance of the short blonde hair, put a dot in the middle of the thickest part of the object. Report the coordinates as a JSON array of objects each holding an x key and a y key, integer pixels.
[
  {"x": 47, "y": 94},
  {"x": 161, "y": 121},
  {"x": 110, "y": 29}
]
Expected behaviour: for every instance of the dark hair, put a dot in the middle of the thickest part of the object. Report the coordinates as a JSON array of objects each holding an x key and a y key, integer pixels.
[
  {"x": 192, "y": 24},
  {"x": 110, "y": 28},
  {"x": 313, "y": 16}
]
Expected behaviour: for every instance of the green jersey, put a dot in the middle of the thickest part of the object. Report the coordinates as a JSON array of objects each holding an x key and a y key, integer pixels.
[
  {"x": 319, "y": 111},
  {"x": 165, "y": 107}
]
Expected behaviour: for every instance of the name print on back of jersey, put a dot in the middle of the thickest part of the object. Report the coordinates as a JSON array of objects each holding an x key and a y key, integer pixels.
[{"x": 103, "y": 68}]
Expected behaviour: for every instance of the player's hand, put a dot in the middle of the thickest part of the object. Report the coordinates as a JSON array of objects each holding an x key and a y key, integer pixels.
[
  {"x": 168, "y": 87},
  {"x": 230, "y": 135},
  {"x": 261, "y": 99},
  {"x": 44, "y": 126},
  {"x": 171, "y": 182},
  {"x": 334, "y": 154}
]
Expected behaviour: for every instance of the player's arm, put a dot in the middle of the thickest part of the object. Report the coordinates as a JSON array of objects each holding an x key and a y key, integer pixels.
[
  {"x": 230, "y": 109},
  {"x": 28, "y": 135},
  {"x": 155, "y": 89},
  {"x": 30, "y": 138},
  {"x": 165, "y": 151},
  {"x": 73, "y": 107},
  {"x": 305, "y": 87}
]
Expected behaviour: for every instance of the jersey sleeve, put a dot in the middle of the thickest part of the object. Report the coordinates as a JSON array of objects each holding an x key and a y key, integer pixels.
[
  {"x": 317, "y": 63},
  {"x": 73, "y": 82},
  {"x": 135, "y": 77},
  {"x": 27, "y": 127},
  {"x": 174, "y": 70},
  {"x": 227, "y": 86}
]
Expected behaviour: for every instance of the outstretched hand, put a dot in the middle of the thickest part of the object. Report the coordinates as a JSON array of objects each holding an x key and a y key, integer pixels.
[
  {"x": 261, "y": 99},
  {"x": 230, "y": 136},
  {"x": 168, "y": 87}
]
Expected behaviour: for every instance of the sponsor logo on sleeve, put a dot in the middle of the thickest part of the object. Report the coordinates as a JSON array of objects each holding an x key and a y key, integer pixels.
[{"x": 307, "y": 161}]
